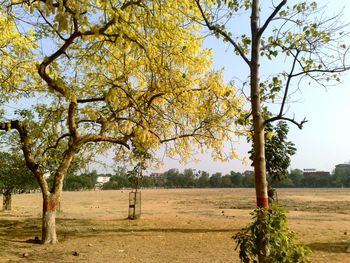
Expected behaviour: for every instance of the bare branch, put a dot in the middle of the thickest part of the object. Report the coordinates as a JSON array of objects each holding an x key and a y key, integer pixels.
[
  {"x": 26, "y": 148},
  {"x": 91, "y": 100},
  {"x": 48, "y": 60},
  {"x": 274, "y": 13},
  {"x": 179, "y": 137},
  {"x": 277, "y": 118},
  {"x": 130, "y": 3},
  {"x": 103, "y": 138},
  {"x": 192, "y": 134},
  {"x": 50, "y": 25},
  {"x": 57, "y": 142},
  {"x": 89, "y": 121},
  {"x": 334, "y": 70},
  {"x": 153, "y": 98},
  {"x": 216, "y": 29},
  {"x": 280, "y": 115},
  {"x": 71, "y": 120},
  {"x": 287, "y": 84},
  {"x": 54, "y": 84}
]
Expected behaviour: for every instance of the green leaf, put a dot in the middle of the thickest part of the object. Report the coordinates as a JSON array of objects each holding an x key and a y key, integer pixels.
[{"x": 282, "y": 13}]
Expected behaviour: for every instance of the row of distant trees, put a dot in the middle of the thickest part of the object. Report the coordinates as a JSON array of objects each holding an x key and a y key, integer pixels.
[
  {"x": 16, "y": 178},
  {"x": 190, "y": 178}
]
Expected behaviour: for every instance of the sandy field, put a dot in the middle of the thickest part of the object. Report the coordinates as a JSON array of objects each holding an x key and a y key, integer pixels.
[{"x": 177, "y": 225}]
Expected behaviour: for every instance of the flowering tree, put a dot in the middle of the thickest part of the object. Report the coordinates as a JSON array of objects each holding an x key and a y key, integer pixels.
[{"x": 125, "y": 76}]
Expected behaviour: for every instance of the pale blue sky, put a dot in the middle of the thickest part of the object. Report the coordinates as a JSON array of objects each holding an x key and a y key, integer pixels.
[{"x": 325, "y": 139}]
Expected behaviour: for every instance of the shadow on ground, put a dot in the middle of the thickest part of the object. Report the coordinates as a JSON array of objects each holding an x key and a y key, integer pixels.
[
  {"x": 28, "y": 230},
  {"x": 19, "y": 229},
  {"x": 337, "y": 247}
]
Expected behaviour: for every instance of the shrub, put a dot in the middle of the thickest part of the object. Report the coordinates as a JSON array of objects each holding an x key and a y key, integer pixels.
[{"x": 269, "y": 236}]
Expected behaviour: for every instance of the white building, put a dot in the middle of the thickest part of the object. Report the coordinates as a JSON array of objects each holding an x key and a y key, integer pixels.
[{"x": 103, "y": 179}]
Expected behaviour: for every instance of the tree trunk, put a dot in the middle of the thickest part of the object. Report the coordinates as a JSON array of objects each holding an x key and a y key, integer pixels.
[
  {"x": 7, "y": 200},
  {"x": 262, "y": 199},
  {"x": 50, "y": 204}
]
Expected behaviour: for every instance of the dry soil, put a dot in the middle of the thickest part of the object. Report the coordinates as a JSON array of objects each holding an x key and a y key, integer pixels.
[{"x": 177, "y": 225}]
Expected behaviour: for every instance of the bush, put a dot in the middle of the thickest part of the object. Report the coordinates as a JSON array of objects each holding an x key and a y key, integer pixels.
[
  {"x": 269, "y": 236},
  {"x": 111, "y": 185}
]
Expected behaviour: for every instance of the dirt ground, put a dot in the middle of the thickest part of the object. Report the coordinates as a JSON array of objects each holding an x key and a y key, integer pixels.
[{"x": 177, "y": 225}]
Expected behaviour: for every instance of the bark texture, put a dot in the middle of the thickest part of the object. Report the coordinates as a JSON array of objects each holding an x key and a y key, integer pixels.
[
  {"x": 49, "y": 220},
  {"x": 262, "y": 199},
  {"x": 7, "y": 200}
]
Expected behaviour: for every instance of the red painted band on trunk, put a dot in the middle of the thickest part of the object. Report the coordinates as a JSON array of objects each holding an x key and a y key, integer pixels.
[
  {"x": 50, "y": 205},
  {"x": 262, "y": 202}
]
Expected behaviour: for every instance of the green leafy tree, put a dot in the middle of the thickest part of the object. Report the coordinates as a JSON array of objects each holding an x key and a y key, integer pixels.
[
  {"x": 91, "y": 179},
  {"x": 278, "y": 151},
  {"x": 85, "y": 181},
  {"x": 248, "y": 179},
  {"x": 279, "y": 240},
  {"x": 189, "y": 176},
  {"x": 112, "y": 185},
  {"x": 342, "y": 175},
  {"x": 15, "y": 177},
  {"x": 284, "y": 183},
  {"x": 135, "y": 175},
  {"x": 203, "y": 179},
  {"x": 215, "y": 180},
  {"x": 305, "y": 46},
  {"x": 76, "y": 181},
  {"x": 119, "y": 180},
  {"x": 226, "y": 181},
  {"x": 120, "y": 171},
  {"x": 314, "y": 181},
  {"x": 296, "y": 176},
  {"x": 236, "y": 179},
  {"x": 148, "y": 182},
  {"x": 293, "y": 34},
  {"x": 171, "y": 178}
]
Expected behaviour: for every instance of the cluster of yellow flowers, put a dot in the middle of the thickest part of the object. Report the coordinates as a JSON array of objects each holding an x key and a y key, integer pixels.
[
  {"x": 145, "y": 59},
  {"x": 16, "y": 62}
]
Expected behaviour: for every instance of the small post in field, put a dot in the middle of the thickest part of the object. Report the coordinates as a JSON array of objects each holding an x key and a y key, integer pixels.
[{"x": 134, "y": 204}]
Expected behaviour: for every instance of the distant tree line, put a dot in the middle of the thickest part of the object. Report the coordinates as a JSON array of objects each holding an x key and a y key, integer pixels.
[
  {"x": 85, "y": 181},
  {"x": 296, "y": 178},
  {"x": 190, "y": 178},
  {"x": 15, "y": 177}
]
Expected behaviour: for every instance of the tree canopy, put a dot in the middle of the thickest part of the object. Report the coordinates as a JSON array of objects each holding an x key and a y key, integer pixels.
[
  {"x": 128, "y": 73},
  {"x": 278, "y": 151},
  {"x": 14, "y": 175}
]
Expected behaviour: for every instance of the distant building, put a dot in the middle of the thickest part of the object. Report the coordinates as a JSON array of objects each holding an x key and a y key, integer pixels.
[
  {"x": 310, "y": 170},
  {"x": 100, "y": 181},
  {"x": 314, "y": 172},
  {"x": 155, "y": 174},
  {"x": 103, "y": 179}
]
